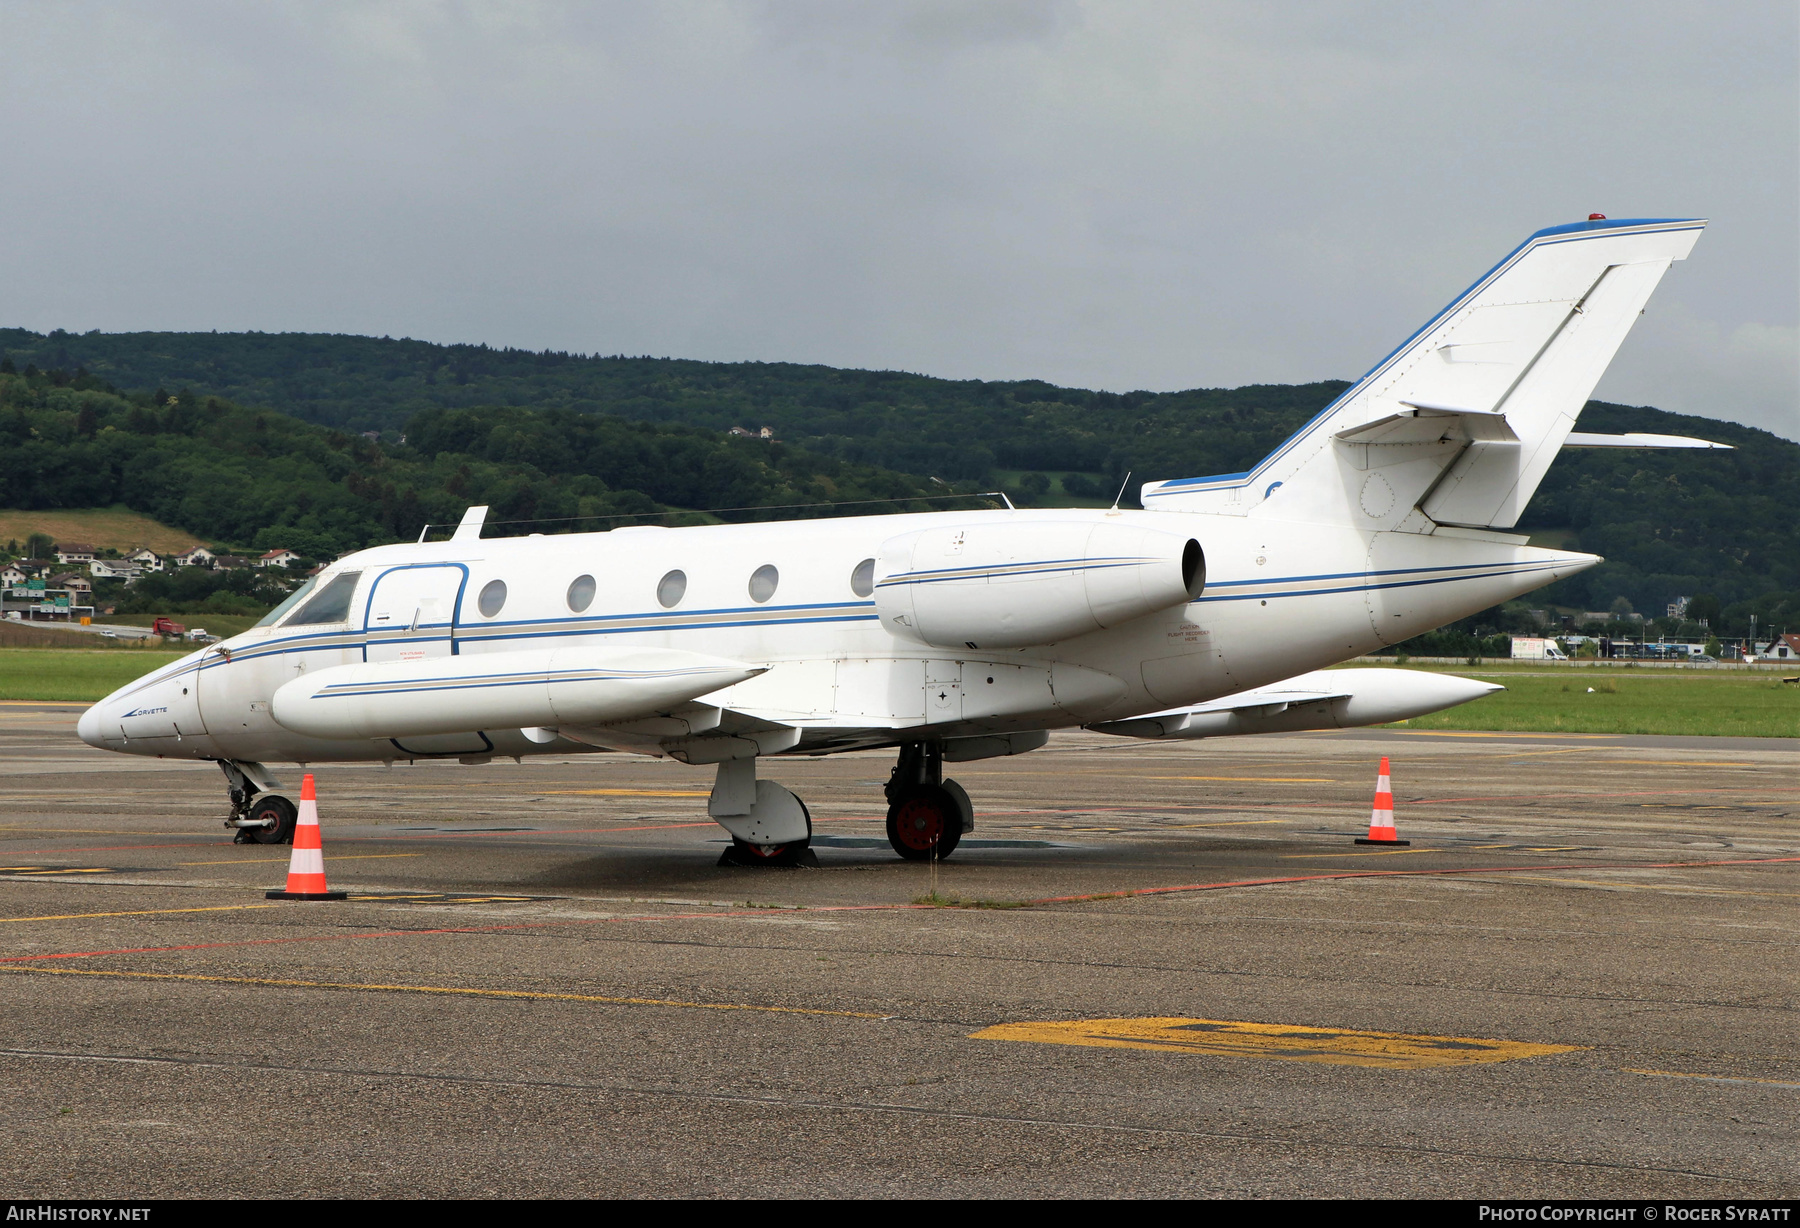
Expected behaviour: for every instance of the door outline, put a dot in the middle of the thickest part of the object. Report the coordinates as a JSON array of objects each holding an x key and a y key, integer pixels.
[{"x": 455, "y": 605}]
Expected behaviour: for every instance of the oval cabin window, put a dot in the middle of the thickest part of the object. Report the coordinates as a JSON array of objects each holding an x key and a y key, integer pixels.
[
  {"x": 493, "y": 596},
  {"x": 581, "y": 593},
  {"x": 763, "y": 582},
  {"x": 862, "y": 580},
  {"x": 670, "y": 589}
]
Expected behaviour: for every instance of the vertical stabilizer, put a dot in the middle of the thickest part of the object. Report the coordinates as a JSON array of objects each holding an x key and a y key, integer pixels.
[{"x": 1459, "y": 424}]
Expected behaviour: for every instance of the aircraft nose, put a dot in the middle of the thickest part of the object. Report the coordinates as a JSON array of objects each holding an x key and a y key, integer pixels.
[{"x": 88, "y": 728}]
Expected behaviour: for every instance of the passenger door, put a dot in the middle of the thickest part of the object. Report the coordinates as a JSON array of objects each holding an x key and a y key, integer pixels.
[{"x": 411, "y": 612}]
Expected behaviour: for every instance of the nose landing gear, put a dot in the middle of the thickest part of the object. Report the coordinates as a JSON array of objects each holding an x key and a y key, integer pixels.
[
  {"x": 259, "y": 815},
  {"x": 927, "y": 815}
]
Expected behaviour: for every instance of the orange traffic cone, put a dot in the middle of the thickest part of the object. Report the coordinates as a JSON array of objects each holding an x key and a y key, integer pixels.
[
  {"x": 1381, "y": 818},
  {"x": 306, "y": 868}
]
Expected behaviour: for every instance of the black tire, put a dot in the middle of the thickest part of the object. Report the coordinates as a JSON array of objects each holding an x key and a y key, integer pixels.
[
  {"x": 272, "y": 806},
  {"x": 924, "y": 823}
]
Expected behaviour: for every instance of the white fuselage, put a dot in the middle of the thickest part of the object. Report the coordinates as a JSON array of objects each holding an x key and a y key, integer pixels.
[{"x": 1279, "y": 598}]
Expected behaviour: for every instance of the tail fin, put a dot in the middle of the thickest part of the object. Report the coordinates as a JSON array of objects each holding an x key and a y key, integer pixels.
[{"x": 1459, "y": 424}]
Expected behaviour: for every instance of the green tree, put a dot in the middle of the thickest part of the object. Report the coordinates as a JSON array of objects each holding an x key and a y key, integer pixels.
[{"x": 40, "y": 546}]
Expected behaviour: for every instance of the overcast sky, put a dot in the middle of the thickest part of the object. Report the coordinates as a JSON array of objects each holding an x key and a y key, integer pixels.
[{"x": 1108, "y": 195}]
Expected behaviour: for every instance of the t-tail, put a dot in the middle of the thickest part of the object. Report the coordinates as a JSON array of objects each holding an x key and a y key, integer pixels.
[{"x": 1459, "y": 424}]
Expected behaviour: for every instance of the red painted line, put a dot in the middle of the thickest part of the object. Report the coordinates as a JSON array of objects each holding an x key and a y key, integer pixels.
[
  {"x": 461, "y": 929},
  {"x": 113, "y": 848},
  {"x": 1528, "y": 797},
  {"x": 762, "y": 912},
  {"x": 1313, "y": 878}
]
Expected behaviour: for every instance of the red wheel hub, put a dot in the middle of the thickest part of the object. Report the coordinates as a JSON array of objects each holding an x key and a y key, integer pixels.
[{"x": 919, "y": 823}]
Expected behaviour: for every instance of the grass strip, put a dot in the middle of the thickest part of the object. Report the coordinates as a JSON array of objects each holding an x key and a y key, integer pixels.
[{"x": 74, "y": 674}]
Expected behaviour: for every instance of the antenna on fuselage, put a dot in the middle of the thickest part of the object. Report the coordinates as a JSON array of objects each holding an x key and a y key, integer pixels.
[
  {"x": 470, "y": 528},
  {"x": 1122, "y": 485}
]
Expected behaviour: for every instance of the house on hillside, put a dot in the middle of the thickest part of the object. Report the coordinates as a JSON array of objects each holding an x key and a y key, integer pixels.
[
  {"x": 74, "y": 552},
  {"x": 114, "y": 569},
  {"x": 35, "y": 567},
  {"x": 12, "y": 576},
  {"x": 72, "y": 581},
  {"x": 278, "y": 558},
  {"x": 226, "y": 562},
  {"x": 199, "y": 556},
  {"x": 146, "y": 558},
  {"x": 1781, "y": 648}
]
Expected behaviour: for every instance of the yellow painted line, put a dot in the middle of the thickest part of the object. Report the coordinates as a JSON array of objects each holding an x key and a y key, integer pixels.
[
  {"x": 451, "y": 990},
  {"x": 148, "y": 912},
  {"x": 1255, "y": 780},
  {"x": 250, "y": 861},
  {"x": 1683, "y": 1074},
  {"x": 42, "y": 871},
  {"x": 1233, "y": 823},
  {"x": 1274, "y": 1041},
  {"x": 625, "y": 793},
  {"x": 1375, "y": 853}
]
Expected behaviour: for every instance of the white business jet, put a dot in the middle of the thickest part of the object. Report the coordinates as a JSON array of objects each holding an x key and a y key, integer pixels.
[{"x": 953, "y": 635}]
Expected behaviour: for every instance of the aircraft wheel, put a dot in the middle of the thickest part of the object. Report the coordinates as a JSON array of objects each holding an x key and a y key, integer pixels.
[
  {"x": 925, "y": 823},
  {"x": 272, "y": 806},
  {"x": 793, "y": 853}
]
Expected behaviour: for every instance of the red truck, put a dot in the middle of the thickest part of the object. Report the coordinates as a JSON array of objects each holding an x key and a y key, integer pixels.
[{"x": 163, "y": 626}]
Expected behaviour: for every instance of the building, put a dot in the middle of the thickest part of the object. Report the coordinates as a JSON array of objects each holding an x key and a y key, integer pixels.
[
  {"x": 199, "y": 556},
  {"x": 146, "y": 558},
  {"x": 1678, "y": 608},
  {"x": 74, "y": 552},
  {"x": 278, "y": 558},
  {"x": 12, "y": 576},
  {"x": 114, "y": 569},
  {"x": 75, "y": 583},
  {"x": 1781, "y": 648},
  {"x": 226, "y": 562}
]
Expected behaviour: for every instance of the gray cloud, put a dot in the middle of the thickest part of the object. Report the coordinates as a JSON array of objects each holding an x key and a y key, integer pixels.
[{"x": 1105, "y": 194}]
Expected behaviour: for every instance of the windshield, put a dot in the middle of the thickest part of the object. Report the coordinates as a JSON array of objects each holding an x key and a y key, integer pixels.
[
  {"x": 275, "y": 615},
  {"x": 331, "y": 604}
]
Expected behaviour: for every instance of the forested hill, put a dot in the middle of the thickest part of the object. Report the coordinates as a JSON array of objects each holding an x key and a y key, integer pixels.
[
  {"x": 952, "y": 429},
  {"x": 253, "y": 478},
  {"x": 583, "y": 434}
]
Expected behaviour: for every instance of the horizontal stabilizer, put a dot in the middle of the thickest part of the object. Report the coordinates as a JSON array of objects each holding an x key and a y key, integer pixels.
[
  {"x": 1433, "y": 424},
  {"x": 1581, "y": 439},
  {"x": 1323, "y": 699}
]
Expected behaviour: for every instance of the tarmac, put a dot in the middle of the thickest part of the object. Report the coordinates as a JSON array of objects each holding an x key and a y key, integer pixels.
[{"x": 1167, "y": 971}]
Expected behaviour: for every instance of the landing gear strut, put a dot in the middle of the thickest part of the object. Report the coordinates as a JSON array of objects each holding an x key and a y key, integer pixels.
[
  {"x": 769, "y": 826},
  {"x": 927, "y": 815}
]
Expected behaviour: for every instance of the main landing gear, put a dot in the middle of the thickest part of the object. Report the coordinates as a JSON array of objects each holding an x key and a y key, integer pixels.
[
  {"x": 927, "y": 815},
  {"x": 259, "y": 812},
  {"x": 926, "y": 819}
]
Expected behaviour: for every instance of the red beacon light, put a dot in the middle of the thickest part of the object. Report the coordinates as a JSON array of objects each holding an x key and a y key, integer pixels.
[{"x": 1596, "y": 217}]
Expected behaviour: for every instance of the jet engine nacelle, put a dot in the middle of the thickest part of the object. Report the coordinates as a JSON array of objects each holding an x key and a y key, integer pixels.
[{"x": 1017, "y": 585}]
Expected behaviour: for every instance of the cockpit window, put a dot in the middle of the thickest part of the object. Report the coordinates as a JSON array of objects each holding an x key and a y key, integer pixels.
[
  {"x": 332, "y": 602},
  {"x": 293, "y": 599}
]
